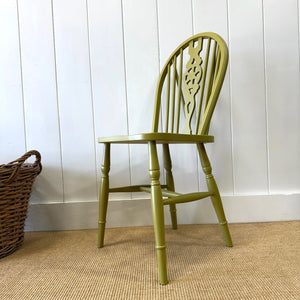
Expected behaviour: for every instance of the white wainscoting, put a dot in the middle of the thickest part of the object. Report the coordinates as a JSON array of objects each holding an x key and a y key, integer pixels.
[
  {"x": 238, "y": 209},
  {"x": 73, "y": 70}
]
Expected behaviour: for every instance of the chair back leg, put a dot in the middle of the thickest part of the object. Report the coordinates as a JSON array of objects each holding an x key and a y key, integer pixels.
[
  {"x": 157, "y": 213},
  {"x": 170, "y": 182},
  {"x": 103, "y": 194},
  {"x": 215, "y": 198}
]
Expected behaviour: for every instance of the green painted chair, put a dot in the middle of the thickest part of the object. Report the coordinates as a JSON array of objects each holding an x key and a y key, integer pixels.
[{"x": 189, "y": 97}]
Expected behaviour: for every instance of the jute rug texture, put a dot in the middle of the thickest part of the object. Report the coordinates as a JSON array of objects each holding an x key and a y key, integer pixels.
[{"x": 263, "y": 264}]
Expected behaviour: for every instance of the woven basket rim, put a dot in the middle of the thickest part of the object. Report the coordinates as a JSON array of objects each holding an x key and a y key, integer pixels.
[
  {"x": 16, "y": 180},
  {"x": 9, "y": 172}
]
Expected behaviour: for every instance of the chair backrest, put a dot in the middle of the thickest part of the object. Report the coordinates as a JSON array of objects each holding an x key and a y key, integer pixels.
[{"x": 190, "y": 93}]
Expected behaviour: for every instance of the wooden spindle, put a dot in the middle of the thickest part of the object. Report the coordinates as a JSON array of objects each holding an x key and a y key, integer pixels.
[
  {"x": 202, "y": 85},
  {"x": 173, "y": 93},
  {"x": 217, "y": 63},
  {"x": 168, "y": 99},
  {"x": 179, "y": 92},
  {"x": 210, "y": 75}
]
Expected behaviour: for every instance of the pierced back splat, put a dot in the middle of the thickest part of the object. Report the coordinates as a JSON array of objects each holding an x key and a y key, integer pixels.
[
  {"x": 191, "y": 93},
  {"x": 192, "y": 78}
]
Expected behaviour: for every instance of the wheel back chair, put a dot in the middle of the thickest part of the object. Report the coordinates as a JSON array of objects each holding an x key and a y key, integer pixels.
[{"x": 194, "y": 90}]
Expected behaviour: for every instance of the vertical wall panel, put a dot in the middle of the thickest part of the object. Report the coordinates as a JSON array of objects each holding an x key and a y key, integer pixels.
[
  {"x": 109, "y": 90},
  {"x": 176, "y": 16},
  {"x": 40, "y": 101},
  {"x": 12, "y": 138},
  {"x": 282, "y": 73},
  {"x": 173, "y": 16},
  {"x": 212, "y": 16},
  {"x": 248, "y": 97},
  {"x": 142, "y": 70},
  {"x": 75, "y": 103}
]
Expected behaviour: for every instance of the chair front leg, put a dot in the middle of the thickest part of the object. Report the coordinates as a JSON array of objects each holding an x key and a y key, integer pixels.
[
  {"x": 216, "y": 199},
  {"x": 157, "y": 212},
  {"x": 103, "y": 194},
  {"x": 170, "y": 182}
]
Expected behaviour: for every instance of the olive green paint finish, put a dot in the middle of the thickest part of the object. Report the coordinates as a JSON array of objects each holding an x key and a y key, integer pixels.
[
  {"x": 103, "y": 195},
  {"x": 181, "y": 93},
  {"x": 205, "y": 74},
  {"x": 157, "y": 212},
  {"x": 170, "y": 182},
  {"x": 158, "y": 137},
  {"x": 215, "y": 197}
]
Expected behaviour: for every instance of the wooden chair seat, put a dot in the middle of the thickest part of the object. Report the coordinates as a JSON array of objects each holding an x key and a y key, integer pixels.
[{"x": 158, "y": 137}]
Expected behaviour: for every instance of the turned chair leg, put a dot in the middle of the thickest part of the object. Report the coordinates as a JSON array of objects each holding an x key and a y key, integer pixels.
[
  {"x": 170, "y": 182},
  {"x": 216, "y": 199},
  {"x": 103, "y": 194},
  {"x": 157, "y": 213}
]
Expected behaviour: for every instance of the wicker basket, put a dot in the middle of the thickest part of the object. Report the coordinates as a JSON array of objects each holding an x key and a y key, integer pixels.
[{"x": 16, "y": 179}]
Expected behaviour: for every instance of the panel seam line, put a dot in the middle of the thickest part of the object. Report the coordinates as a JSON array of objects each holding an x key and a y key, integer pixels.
[
  {"x": 21, "y": 76},
  {"x": 266, "y": 98},
  {"x": 57, "y": 102},
  {"x": 126, "y": 91},
  {"x": 92, "y": 92},
  {"x": 231, "y": 104}
]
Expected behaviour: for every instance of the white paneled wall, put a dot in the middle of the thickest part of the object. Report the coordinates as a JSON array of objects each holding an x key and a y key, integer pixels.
[
  {"x": 282, "y": 94},
  {"x": 74, "y": 95},
  {"x": 248, "y": 103},
  {"x": 109, "y": 84},
  {"x": 40, "y": 96},
  {"x": 12, "y": 126},
  {"x": 73, "y": 70}
]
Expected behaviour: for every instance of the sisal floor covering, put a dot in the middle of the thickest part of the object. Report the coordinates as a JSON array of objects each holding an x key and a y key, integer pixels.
[{"x": 263, "y": 264}]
